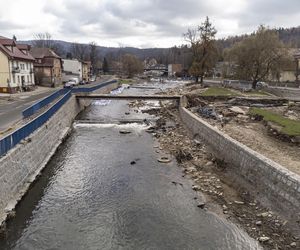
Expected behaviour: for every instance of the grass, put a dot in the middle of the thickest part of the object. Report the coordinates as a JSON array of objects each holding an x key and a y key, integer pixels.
[
  {"x": 216, "y": 91},
  {"x": 125, "y": 81},
  {"x": 289, "y": 127}
]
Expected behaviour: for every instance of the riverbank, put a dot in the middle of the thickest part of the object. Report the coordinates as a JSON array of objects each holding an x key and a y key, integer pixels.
[
  {"x": 222, "y": 194},
  {"x": 109, "y": 187}
]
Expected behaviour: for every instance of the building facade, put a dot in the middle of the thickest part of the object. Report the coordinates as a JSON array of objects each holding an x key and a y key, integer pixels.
[
  {"x": 16, "y": 66},
  {"x": 72, "y": 68},
  {"x": 173, "y": 69},
  {"x": 47, "y": 67},
  {"x": 86, "y": 71}
]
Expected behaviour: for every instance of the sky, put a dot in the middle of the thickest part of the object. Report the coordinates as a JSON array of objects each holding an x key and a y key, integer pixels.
[{"x": 140, "y": 23}]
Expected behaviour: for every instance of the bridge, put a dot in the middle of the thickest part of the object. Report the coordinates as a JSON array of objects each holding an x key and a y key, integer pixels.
[{"x": 128, "y": 97}]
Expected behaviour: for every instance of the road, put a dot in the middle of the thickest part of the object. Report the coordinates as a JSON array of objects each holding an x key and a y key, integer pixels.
[{"x": 11, "y": 111}]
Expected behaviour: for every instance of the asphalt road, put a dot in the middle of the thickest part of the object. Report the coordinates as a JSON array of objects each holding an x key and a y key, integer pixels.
[{"x": 11, "y": 111}]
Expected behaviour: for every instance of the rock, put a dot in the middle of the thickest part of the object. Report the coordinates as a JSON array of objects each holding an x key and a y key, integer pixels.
[
  {"x": 258, "y": 223},
  {"x": 263, "y": 239},
  {"x": 265, "y": 214},
  {"x": 132, "y": 163},
  {"x": 196, "y": 187},
  {"x": 164, "y": 159},
  {"x": 127, "y": 113},
  {"x": 209, "y": 163},
  {"x": 237, "y": 110},
  {"x": 293, "y": 244},
  {"x": 239, "y": 202},
  {"x": 123, "y": 131},
  {"x": 201, "y": 205}
]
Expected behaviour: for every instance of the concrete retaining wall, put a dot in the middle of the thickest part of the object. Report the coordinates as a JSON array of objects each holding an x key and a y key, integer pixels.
[
  {"x": 269, "y": 181},
  {"x": 19, "y": 168},
  {"x": 284, "y": 92}
]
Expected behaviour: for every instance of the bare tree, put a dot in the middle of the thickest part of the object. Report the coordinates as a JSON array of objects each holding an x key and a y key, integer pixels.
[
  {"x": 258, "y": 56},
  {"x": 79, "y": 51},
  {"x": 131, "y": 65},
  {"x": 203, "y": 47},
  {"x": 93, "y": 55},
  {"x": 43, "y": 40}
]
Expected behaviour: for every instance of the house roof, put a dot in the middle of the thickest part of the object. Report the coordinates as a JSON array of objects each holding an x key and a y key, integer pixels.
[
  {"x": 17, "y": 49},
  {"x": 40, "y": 53}
]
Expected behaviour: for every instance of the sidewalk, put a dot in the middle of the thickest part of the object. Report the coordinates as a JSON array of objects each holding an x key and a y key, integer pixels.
[{"x": 38, "y": 90}]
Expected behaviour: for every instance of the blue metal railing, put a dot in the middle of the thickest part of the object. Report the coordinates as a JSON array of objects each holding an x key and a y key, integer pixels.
[
  {"x": 44, "y": 102},
  {"x": 9, "y": 141}
]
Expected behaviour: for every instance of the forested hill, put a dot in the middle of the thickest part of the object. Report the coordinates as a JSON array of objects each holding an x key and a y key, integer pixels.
[{"x": 289, "y": 36}]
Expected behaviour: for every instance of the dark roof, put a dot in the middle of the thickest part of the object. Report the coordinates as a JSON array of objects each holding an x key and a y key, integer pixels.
[
  {"x": 16, "y": 52},
  {"x": 40, "y": 53}
]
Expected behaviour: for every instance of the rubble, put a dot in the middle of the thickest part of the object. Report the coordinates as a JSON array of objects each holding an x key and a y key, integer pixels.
[{"x": 209, "y": 177}]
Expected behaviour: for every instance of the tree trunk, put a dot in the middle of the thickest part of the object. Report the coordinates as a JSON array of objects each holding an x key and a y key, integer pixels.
[
  {"x": 254, "y": 83},
  {"x": 197, "y": 79},
  {"x": 201, "y": 79}
]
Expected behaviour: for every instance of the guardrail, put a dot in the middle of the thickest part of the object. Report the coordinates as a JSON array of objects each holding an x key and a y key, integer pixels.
[
  {"x": 47, "y": 100},
  {"x": 14, "y": 138},
  {"x": 11, "y": 140},
  {"x": 44, "y": 102}
]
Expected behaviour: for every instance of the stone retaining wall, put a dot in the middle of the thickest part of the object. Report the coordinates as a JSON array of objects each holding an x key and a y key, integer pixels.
[
  {"x": 267, "y": 180},
  {"x": 19, "y": 168}
]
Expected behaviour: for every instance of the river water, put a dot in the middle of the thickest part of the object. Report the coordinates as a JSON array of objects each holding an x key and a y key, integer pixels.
[{"x": 91, "y": 196}]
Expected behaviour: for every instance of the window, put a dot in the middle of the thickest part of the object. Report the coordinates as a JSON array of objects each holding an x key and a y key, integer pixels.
[
  {"x": 27, "y": 77},
  {"x": 14, "y": 78},
  {"x": 27, "y": 66}
]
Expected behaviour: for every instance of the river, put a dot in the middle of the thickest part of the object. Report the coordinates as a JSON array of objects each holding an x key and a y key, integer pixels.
[{"x": 106, "y": 190}]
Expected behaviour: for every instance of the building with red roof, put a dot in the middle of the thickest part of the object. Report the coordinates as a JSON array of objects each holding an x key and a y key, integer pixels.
[
  {"x": 16, "y": 66},
  {"x": 47, "y": 66}
]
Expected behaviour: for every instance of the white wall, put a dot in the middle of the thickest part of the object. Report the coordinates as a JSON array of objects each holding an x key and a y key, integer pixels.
[
  {"x": 73, "y": 66},
  {"x": 25, "y": 68}
]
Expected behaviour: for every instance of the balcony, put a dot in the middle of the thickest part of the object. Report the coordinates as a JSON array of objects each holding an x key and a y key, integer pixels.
[{"x": 15, "y": 70}]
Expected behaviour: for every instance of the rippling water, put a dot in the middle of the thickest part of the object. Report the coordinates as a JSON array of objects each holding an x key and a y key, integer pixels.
[{"x": 90, "y": 196}]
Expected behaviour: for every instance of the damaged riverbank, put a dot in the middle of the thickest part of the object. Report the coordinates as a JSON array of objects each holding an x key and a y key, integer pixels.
[{"x": 223, "y": 195}]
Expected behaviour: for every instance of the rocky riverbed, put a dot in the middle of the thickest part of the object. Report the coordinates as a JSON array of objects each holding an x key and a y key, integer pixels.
[{"x": 222, "y": 195}]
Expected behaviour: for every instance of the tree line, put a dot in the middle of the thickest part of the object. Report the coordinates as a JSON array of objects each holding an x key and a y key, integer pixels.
[{"x": 251, "y": 57}]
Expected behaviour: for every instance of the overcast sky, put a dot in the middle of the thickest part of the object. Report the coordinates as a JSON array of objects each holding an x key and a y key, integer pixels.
[{"x": 140, "y": 23}]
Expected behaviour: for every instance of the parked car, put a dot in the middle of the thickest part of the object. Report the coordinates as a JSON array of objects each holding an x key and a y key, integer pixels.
[
  {"x": 93, "y": 78},
  {"x": 82, "y": 82},
  {"x": 261, "y": 85},
  {"x": 76, "y": 80},
  {"x": 70, "y": 84}
]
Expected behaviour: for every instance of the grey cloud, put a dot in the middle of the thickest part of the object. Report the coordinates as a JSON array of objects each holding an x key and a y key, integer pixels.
[
  {"x": 158, "y": 19},
  {"x": 7, "y": 25}
]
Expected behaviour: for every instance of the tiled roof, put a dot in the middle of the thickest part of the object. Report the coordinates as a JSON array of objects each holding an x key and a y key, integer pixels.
[
  {"x": 40, "y": 53},
  {"x": 16, "y": 52}
]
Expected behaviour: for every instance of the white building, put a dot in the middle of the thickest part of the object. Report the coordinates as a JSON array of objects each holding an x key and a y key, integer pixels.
[
  {"x": 16, "y": 66},
  {"x": 72, "y": 68}
]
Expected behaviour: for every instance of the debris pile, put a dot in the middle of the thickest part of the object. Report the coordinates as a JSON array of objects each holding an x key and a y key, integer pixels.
[{"x": 209, "y": 178}]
